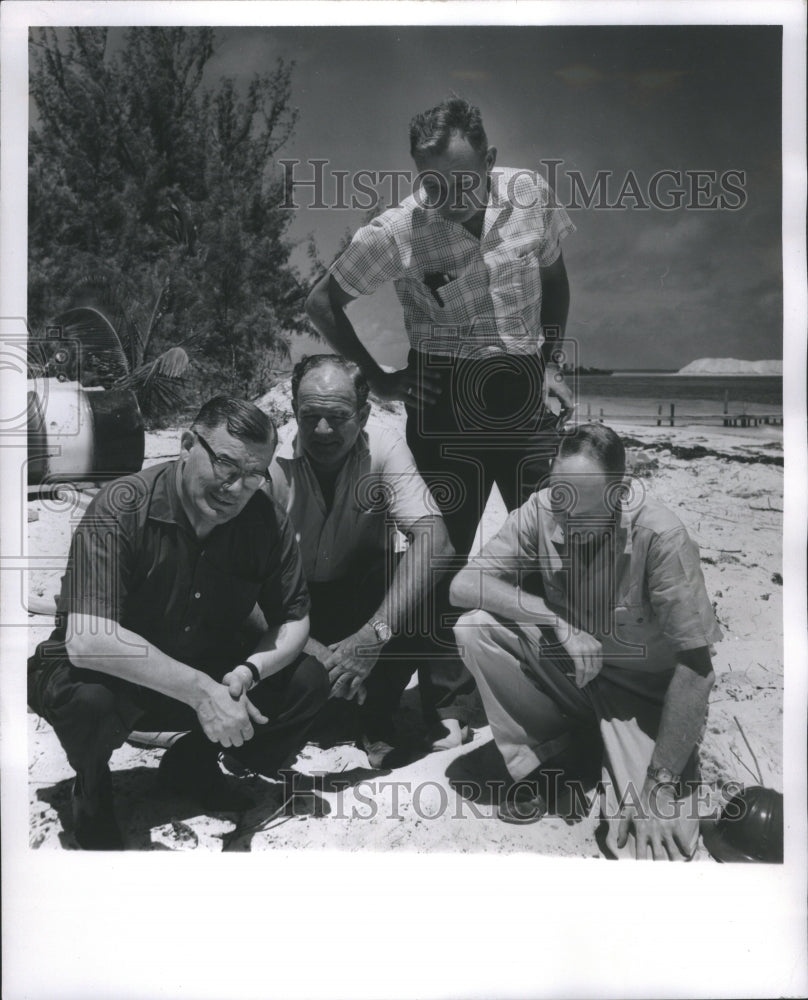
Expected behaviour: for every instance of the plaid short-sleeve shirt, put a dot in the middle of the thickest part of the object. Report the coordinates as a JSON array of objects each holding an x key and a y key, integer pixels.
[{"x": 490, "y": 289}]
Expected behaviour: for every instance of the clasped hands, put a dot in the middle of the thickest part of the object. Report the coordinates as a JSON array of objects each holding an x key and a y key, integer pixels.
[{"x": 226, "y": 714}]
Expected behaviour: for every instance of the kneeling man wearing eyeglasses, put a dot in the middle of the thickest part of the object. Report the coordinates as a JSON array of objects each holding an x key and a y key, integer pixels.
[{"x": 163, "y": 574}]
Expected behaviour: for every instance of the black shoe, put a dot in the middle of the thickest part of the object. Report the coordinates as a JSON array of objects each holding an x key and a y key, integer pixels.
[
  {"x": 94, "y": 824},
  {"x": 522, "y": 802},
  {"x": 383, "y": 755},
  {"x": 191, "y": 767}
]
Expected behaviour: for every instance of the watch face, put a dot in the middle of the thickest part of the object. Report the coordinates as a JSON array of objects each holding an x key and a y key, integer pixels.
[{"x": 383, "y": 631}]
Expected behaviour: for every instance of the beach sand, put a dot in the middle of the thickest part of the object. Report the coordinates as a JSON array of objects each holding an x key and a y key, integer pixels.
[{"x": 726, "y": 485}]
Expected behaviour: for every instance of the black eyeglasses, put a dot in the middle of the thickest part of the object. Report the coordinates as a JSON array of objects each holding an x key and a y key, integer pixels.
[
  {"x": 334, "y": 420},
  {"x": 228, "y": 473}
]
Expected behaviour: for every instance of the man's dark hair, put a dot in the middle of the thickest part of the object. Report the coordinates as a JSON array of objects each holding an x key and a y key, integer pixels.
[
  {"x": 242, "y": 420},
  {"x": 601, "y": 443},
  {"x": 360, "y": 383},
  {"x": 430, "y": 131}
]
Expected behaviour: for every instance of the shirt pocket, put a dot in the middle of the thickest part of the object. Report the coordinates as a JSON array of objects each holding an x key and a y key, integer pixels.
[
  {"x": 449, "y": 304},
  {"x": 223, "y": 600},
  {"x": 633, "y": 628}
]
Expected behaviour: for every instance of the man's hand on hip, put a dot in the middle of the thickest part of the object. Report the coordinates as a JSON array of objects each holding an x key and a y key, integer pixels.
[{"x": 555, "y": 385}]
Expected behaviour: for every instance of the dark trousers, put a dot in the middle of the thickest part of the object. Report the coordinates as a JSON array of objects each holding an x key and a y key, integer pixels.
[
  {"x": 446, "y": 688},
  {"x": 488, "y": 426},
  {"x": 92, "y": 713}
]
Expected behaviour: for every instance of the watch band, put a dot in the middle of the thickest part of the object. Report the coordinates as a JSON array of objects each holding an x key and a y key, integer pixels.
[
  {"x": 256, "y": 676},
  {"x": 664, "y": 776},
  {"x": 383, "y": 631}
]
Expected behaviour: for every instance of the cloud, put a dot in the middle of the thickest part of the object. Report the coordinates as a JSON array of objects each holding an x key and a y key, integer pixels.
[
  {"x": 645, "y": 84},
  {"x": 579, "y": 75},
  {"x": 658, "y": 81}
]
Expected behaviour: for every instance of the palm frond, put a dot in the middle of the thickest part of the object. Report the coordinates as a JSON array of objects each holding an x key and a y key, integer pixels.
[
  {"x": 103, "y": 359},
  {"x": 173, "y": 363},
  {"x": 159, "y": 384}
]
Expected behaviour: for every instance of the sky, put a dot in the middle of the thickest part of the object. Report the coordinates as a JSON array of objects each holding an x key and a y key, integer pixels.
[{"x": 650, "y": 288}]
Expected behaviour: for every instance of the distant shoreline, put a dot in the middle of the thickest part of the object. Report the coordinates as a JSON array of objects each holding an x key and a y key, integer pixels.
[{"x": 643, "y": 372}]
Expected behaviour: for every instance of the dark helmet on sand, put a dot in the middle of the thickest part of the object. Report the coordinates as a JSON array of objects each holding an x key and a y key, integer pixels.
[{"x": 750, "y": 828}]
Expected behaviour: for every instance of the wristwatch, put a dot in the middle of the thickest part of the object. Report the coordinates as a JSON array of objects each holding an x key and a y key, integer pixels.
[
  {"x": 256, "y": 676},
  {"x": 664, "y": 776},
  {"x": 383, "y": 631}
]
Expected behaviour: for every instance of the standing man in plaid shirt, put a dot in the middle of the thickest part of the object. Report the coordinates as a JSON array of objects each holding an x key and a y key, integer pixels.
[
  {"x": 475, "y": 255},
  {"x": 476, "y": 260}
]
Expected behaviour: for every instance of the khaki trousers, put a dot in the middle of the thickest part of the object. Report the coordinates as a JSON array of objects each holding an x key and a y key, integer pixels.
[{"x": 534, "y": 707}]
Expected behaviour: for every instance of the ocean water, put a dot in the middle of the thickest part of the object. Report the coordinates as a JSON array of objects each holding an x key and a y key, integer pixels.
[{"x": 638, "y": 396}]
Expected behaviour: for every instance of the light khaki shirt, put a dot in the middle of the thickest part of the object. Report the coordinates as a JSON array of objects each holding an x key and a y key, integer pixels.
[
  {"x": 378, "y": 491},
  {"x": 644, "y": 596}
]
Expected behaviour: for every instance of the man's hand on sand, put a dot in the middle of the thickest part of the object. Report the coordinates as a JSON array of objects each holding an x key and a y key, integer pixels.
[
  {"x": 661, "y": 829},
  {"x": 585, "y": 650},
  {"x": 225, "y": 719},
  {"x": 409, "y": 385}
]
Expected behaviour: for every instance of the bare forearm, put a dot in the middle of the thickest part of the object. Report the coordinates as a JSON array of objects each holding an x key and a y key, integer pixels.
[
  {"x": 555, "y": 306},
  {"x": 472, "y": 588},
  {"x": 418, "y": 570},
  {"x": 683, "y": 715},
  {"x": 279, "y": 646},
  {"x": 328, "y": 315},
  {"x": 106, "y": 646}
]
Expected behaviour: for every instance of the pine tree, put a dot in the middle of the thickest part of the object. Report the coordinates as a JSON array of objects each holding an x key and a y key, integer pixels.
[{"x": 155, "y": 201}]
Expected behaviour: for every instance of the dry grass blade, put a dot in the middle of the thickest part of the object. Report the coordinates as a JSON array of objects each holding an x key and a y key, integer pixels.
[
  {"x": 749, "y": 747},
  {"x": 742, "y": 762}
]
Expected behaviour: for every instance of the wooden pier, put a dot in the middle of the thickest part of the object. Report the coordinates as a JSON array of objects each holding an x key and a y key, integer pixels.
[{"x": 671, "y": 418}]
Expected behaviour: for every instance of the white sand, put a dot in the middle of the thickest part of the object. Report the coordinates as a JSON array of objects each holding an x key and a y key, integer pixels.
[{"x": 730, "y": 499}]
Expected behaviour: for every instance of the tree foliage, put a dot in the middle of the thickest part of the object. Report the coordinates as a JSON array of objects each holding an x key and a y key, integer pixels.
[{"x": 152, "y": 198}]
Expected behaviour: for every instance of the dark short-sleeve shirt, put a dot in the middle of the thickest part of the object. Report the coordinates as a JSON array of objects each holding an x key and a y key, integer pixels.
[
  {"x": 648, "y": 602},
  {"x": 135, "y": 559}
]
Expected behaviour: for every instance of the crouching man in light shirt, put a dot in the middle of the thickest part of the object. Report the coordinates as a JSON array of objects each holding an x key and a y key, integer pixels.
[{"x": 607, "y": 646}]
